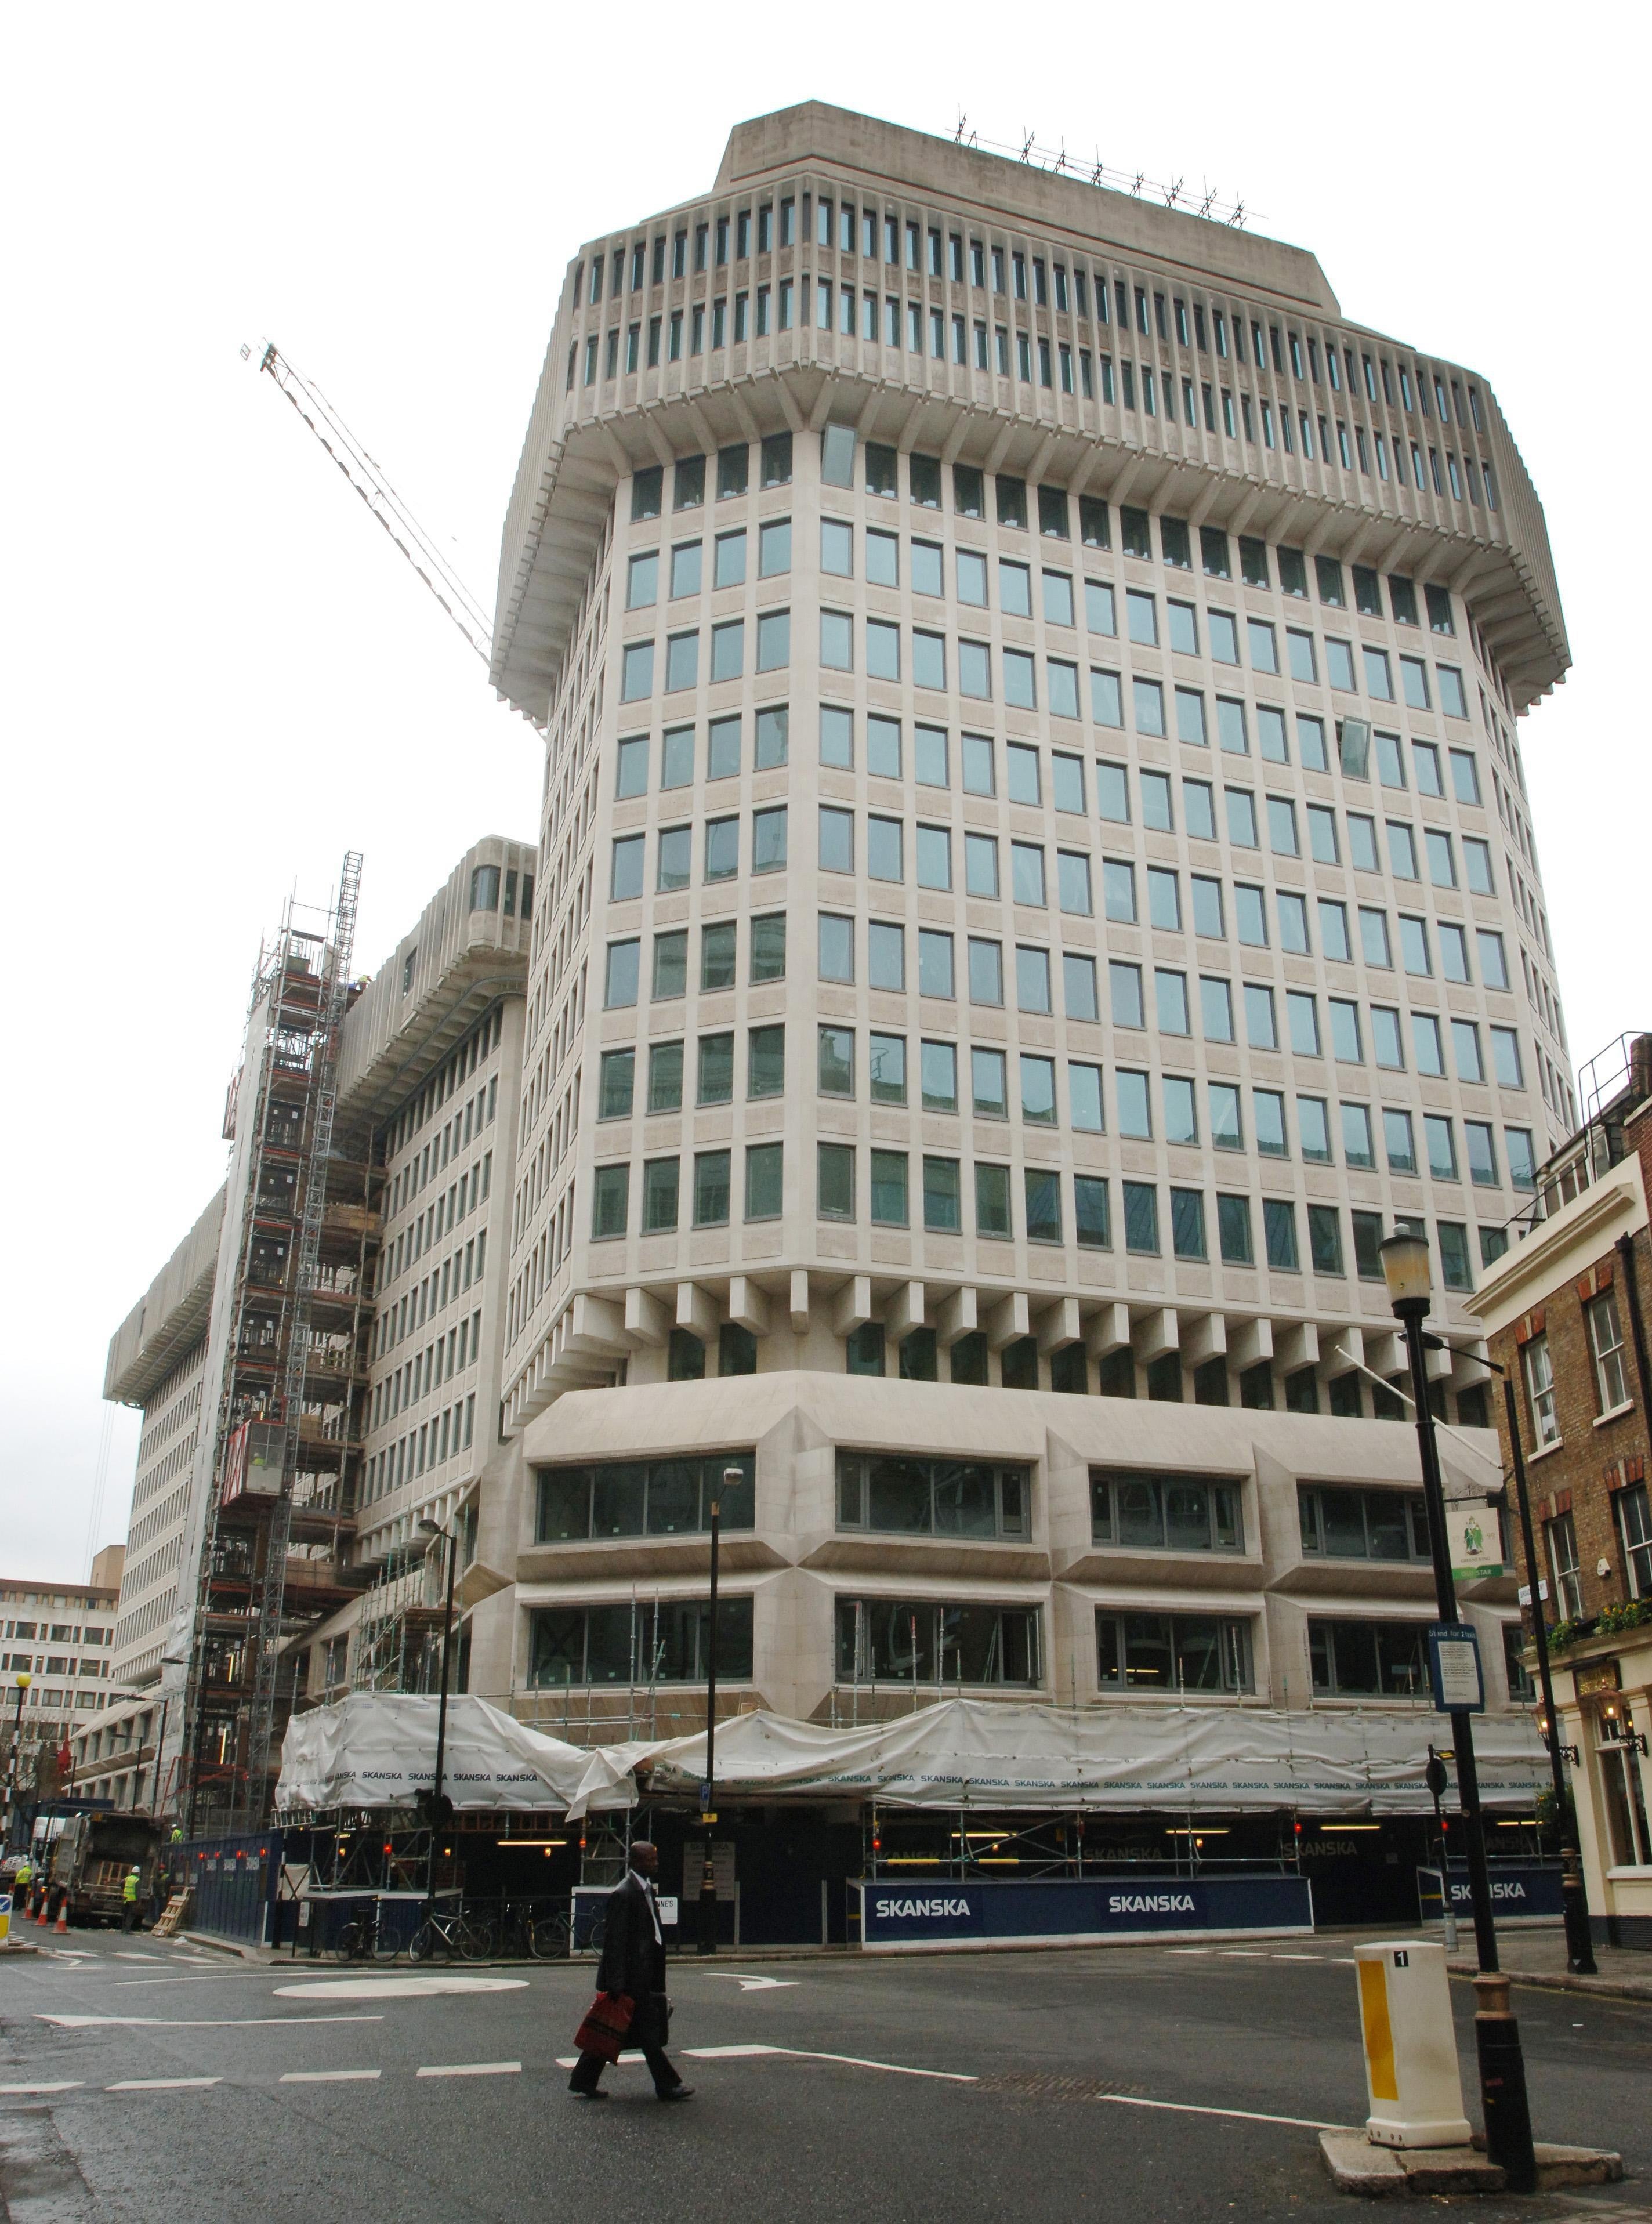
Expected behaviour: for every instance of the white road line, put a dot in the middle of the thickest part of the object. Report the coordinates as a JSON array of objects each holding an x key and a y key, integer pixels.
[
  {"x": 472, "y": 2069},
  {"x": 118, "y": 1956},
  {"x": 64, "y": 2085},
  {"x": 1298, "y": 1957},
  {"x": 795, "y": 2054},
  {"x": 212, "y": 1977},
  {"x": 159, "y": 2084},
  {"x": 195, "y": 2023},
  {"x": 1192, "y": 2108},
  {"x": 324, "y": 2076},
  {"x": 1190, "y": 1949},
  {"x": 897, "y": 2069},
  {"x": 1244, "y": 1953}
]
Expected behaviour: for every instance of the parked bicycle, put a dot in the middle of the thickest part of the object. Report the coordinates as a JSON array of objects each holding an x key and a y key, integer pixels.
[
  {"x": 447, "y": 1935},
  {"x": 527, "y": 1931},
  {"x": 364, "y": 1937}
]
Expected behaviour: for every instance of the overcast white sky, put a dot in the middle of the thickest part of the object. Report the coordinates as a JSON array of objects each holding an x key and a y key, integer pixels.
[{"x": 219, "y": 675}]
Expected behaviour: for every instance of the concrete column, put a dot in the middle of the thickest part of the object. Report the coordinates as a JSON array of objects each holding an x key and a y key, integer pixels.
[
  {"x": 1156, "y": 1334},
  {"x": 1107, "y": 1330},
  {"x": 696, "y": 1310}
]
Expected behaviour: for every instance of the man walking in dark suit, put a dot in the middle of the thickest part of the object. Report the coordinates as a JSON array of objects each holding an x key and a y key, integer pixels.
[{"x": 633, "y": 1963}]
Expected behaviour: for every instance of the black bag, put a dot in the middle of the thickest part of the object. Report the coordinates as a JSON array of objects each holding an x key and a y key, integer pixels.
[{"x": 651, "y": 2023}]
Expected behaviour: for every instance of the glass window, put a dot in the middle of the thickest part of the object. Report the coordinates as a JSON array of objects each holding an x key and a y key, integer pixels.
[
  {"x": 1172, "y": 1654},
  {"x": 834, "y": 1181},
  {"x": 837, "y": 1061},
  {"x": 985, "y": 970},
  {"x": 934, "y": 963},
  {"x": 938, "y": 1077}
]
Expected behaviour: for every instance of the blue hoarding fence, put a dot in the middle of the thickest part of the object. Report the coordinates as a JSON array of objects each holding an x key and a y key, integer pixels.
[
  {"x": 234, "y": 1882},
  {"x": 1520, "y": 1893},
  {"x": 896, "y": 1914}
]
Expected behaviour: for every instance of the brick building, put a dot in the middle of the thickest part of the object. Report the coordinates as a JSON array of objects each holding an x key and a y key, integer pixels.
[{"x": 1566, "y": 1313}]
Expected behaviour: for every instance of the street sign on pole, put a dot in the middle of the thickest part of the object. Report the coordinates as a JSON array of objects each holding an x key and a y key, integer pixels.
[{"x": 1454, "y": 1669}]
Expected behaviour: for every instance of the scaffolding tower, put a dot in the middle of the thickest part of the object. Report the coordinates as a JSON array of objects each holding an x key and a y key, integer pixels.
[{"x": 294, "y": 1370}]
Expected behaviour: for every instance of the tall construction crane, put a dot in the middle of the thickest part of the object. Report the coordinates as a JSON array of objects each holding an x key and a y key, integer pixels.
[{"x": 370, "y": 482}]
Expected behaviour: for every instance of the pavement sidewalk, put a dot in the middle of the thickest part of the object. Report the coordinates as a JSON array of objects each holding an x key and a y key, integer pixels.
[{"x": 1538, "y": 1957}]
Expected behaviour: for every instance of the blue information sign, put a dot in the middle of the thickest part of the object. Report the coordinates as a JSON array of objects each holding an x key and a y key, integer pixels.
[{"x": 1454, "y": 1669}]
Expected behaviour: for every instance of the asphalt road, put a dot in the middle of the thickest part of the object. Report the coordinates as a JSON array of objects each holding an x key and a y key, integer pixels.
[{"x": 191, "y": 2090}]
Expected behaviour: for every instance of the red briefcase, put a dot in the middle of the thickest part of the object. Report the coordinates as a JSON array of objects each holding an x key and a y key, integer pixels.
[{"x": 605, "y": 2026}]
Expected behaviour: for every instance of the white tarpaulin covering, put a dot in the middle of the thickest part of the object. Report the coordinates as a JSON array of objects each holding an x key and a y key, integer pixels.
[
  {"x": 973, "y": 1752},
  {"x": 378, "y": 1750}
]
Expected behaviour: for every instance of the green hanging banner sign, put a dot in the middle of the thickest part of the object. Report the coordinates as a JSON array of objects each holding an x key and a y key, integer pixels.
[{"x": 1474, "y": 1539}]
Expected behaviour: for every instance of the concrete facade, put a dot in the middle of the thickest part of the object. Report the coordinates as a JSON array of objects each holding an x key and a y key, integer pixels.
[
  {"x": 1046, "y": 654},
  {"x": 1036, "y": 881}
]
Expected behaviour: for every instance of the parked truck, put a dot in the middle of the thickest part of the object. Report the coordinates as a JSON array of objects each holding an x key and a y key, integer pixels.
[{"x": 94, "y": 1855}]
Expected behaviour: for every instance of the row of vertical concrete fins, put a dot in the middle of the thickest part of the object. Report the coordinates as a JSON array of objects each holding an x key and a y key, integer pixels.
[
  {"x": 577, "y": 448},
  {"x": 170, "y": 1318},
  {"x": 598, "y": 1328}
]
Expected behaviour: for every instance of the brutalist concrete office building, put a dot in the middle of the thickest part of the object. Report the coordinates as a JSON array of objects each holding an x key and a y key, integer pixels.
[{"x": 1037, "y": 880}]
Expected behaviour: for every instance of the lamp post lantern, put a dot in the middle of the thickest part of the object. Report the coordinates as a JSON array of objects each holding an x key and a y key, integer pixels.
[{"x": 1503, "y": 2071}]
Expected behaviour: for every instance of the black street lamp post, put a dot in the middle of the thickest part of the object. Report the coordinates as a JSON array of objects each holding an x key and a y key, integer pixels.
[
  {"x": 24, "y": 1680},
  {"x": 438, "y": 1808},
  {"x": 1503, "y": 2071},
  {"x": 707, "y": 1940}
]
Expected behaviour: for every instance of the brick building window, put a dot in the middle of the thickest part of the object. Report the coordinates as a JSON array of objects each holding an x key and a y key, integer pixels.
[
  {"x": 1564, "y": 1572},
  {"x": 1635, "y": 1528},
  {"x": 1606, "y": 1353},
  {"x": 1540, "y": 1392},
  {"x": 1522, "y": 1689}
]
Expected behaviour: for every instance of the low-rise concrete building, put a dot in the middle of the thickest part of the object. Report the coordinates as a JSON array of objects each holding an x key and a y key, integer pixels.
[{"x": 56, "y": 1658}]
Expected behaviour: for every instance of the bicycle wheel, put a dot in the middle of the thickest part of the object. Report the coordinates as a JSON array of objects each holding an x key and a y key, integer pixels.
[
  {"x": 385, "y": 1946},
  {"x": 430, "y": 1942},
  {"x": 474, "y": 1939},
  {"x": 547, "y": 1938},
  {"x": 347, "y": 1945}
]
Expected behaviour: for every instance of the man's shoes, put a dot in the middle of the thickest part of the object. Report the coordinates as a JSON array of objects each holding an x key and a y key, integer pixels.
[
  {"x": 588, "y": 2093},
  {"x": 676, "y": 2093}
]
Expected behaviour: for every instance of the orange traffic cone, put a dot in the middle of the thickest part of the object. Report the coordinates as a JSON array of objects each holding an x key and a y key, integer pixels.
[
  {"x": 45, "y": 1902},
  {"x": 62, "y": 1922}
]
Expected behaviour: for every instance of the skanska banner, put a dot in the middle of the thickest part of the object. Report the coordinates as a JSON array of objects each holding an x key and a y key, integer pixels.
[{"x": 897, "y": 1915}]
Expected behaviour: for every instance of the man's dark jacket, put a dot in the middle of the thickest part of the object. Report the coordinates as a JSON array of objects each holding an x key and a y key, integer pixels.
[{"x": 633, "y": 1960}]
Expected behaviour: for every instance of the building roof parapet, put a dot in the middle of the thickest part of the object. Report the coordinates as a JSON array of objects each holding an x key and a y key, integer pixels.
[{"x": 578, "y": 446}]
